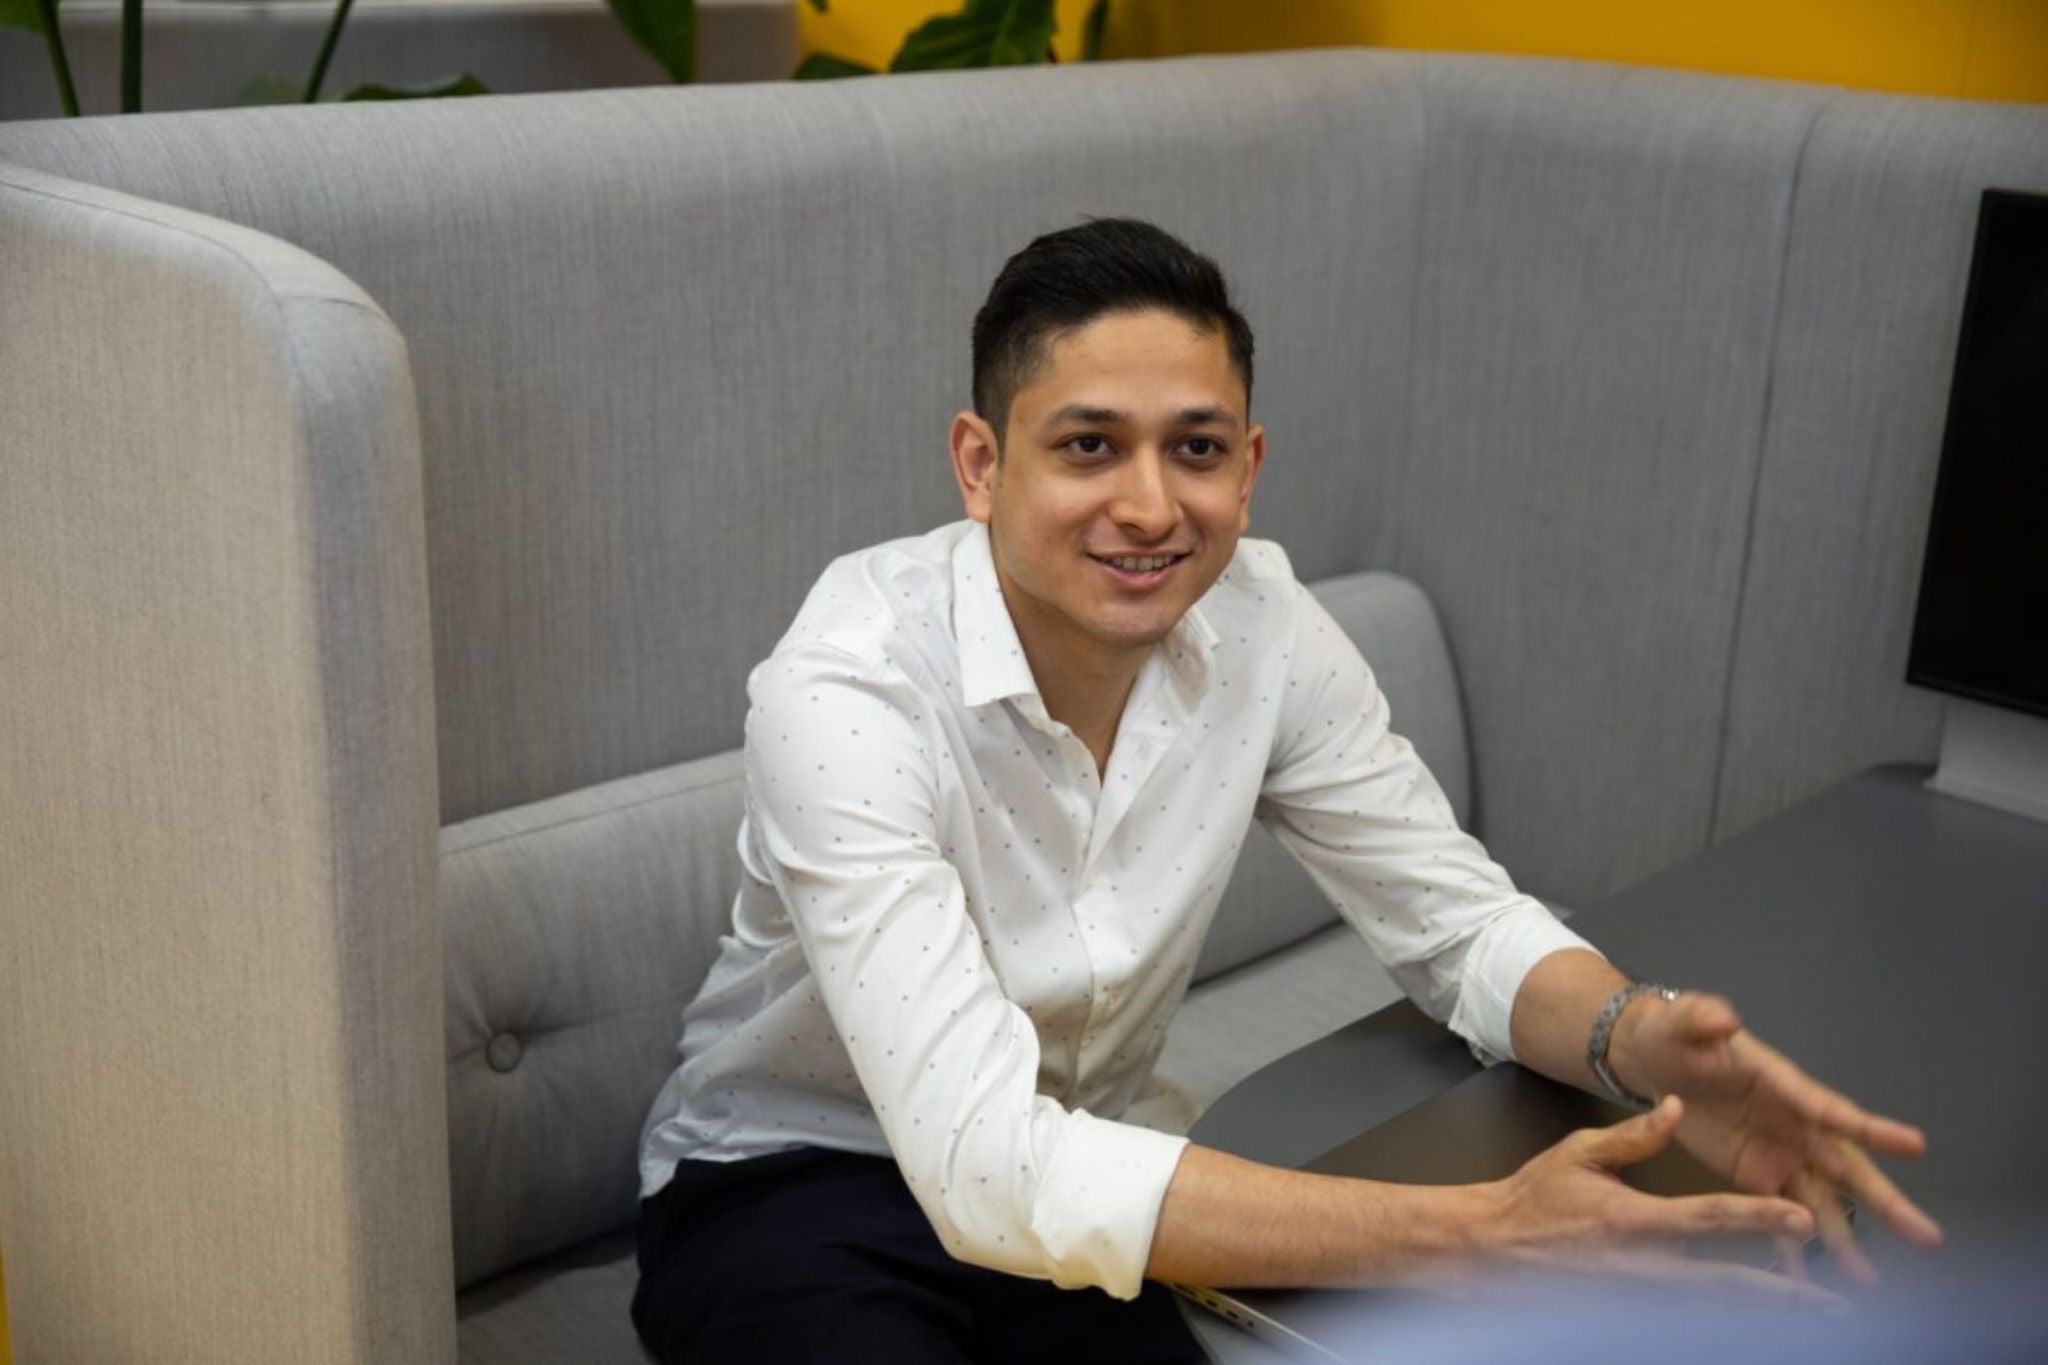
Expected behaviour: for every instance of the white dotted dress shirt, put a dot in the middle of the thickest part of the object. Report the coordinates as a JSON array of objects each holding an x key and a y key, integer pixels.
[{"x": 956, "y": 943}]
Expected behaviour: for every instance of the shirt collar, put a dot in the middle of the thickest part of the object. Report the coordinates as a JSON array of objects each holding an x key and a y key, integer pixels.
[
  {"x": 992, "y": 662},
  {"x": 1189, "y": 654}
]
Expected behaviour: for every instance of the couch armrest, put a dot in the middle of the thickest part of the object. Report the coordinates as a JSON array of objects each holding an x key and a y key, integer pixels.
[{"x": 222, "y": 1123}]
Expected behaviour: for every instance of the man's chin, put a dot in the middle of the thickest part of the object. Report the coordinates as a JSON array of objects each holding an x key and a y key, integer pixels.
[{"x": 1127, "y": 633}]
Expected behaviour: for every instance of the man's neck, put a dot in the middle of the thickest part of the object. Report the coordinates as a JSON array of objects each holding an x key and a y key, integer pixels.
[
  {"x": 1090, "y": 704},
  {"x": 1083, "y": 688}
]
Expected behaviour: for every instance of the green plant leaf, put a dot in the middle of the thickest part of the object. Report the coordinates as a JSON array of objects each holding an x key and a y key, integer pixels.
[
  {"x": 823, "y": 66},
  {"x": 1091, "y": 31},
  {"x": 40, "y": 16},
  {"x": 464, "y": 84},
  {"x": 983, "y": 33},
  {"x": 269, "y": 88},
  {"x": 666, "y": 28}
]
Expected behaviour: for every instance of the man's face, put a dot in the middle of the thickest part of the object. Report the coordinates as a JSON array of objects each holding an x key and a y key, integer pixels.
[{"x": 1124, "y": 482}]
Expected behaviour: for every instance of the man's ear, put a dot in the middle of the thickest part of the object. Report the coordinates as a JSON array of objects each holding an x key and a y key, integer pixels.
[
  {"x": 975, "y": 454},
  {"x": 1255, "y": 449}
]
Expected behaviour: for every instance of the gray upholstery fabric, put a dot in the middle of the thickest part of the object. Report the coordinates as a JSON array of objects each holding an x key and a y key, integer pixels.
[
  {"x": 577, "y": 930},
  {"x": 1859, "y": 395},
  {"x": 198, "y": 54},
  {"x": 571, "y": 1308},
  {"x": 658, "y": 334},
  {"x": 220, "y": 969},
  {"x": 1599, "y": 280},
  {"x": 1270, "y": 901},
  {"x": 1237, "y": 1021},
  {"x": 1241, "y": 1020},
  {"x": 1396, "y": 629}
]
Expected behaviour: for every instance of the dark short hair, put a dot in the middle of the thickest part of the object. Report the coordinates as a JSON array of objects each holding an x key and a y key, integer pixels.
[{"x": 1066, "y": 279}]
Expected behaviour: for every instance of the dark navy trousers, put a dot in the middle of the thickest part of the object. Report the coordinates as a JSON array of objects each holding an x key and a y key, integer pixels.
[{"x": 824, "y": 1256}]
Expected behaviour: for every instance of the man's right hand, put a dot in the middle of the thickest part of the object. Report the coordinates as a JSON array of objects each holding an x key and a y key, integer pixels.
[
  {"x": 1566, "y": 1212},
  {"x": 1227, "y": 1222}
]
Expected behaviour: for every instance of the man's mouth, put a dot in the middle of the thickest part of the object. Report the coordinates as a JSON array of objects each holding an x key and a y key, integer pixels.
[
  {"x": 1139, "y": 563},
  {"x": 1140, "y": 568}
]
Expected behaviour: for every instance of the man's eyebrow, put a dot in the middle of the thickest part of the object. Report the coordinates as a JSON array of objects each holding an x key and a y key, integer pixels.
[
  {"x": 1186, "y": 417},
  {"x": 1081, "y": 412}
]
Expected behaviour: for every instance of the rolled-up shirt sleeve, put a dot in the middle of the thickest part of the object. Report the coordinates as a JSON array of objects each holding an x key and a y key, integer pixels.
[
  {"x": 844, "y": 761},
  {"x": 1355, "y": 805}
]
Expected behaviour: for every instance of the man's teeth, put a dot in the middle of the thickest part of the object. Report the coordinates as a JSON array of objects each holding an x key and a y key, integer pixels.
[{"x": 1139, "y": 563}]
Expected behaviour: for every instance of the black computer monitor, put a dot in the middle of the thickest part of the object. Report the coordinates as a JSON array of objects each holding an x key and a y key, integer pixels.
[{"x": 1981, "y": 630}]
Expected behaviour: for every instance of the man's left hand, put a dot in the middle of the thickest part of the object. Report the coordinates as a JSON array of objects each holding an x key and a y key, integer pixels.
[{"x": 1766, "y": 1125}]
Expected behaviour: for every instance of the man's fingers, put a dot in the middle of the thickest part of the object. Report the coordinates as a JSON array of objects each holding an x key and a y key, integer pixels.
[
  {"x": 1708, "y": 1215},
  {"x": 1635, "y": 1139},
  {"x": 1843, "y": 1117},
  {"x": 1792, "y": 1258},
  {"x": 1835, "y": 1232},
  {"x": 1890, "y": 1137},
  {"x": 1874, "y": 1190},
  {"x": 1707, "y": 1018},
  {"x": 1838, "y": 1114}
]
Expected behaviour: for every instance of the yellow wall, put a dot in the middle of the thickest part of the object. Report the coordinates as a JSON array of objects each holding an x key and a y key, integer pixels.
[
  {"x": 1981, "y": 49},
  {"x": 870, "y": 31}
]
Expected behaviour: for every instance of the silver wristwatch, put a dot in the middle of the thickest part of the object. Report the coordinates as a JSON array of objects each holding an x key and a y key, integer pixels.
[{"x": 1603, "y": 1034}]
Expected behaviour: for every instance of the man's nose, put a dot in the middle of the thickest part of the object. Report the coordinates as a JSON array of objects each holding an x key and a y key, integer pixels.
[{"x": 1144, "y": 502}]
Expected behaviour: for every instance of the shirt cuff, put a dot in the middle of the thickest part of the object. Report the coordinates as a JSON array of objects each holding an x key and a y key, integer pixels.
[
  {"x": 1098, "y": 1202},
  {"x": 1494, "y": 967}
]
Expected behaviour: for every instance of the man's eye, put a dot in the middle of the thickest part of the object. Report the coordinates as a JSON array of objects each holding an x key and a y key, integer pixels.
[
  {"x": 1202, "y": 447},
  {"x": 1087, "y": 445}
]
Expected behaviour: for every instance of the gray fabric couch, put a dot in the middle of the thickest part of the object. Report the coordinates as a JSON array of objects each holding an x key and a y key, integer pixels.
[{"x": 393, "y": 498}]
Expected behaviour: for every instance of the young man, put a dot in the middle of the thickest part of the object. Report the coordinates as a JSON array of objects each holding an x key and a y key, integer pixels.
[{"x": 996, "y": 779}]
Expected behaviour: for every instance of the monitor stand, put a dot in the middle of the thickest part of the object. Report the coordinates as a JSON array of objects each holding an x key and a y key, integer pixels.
[{"x": 1993, "y": 756}]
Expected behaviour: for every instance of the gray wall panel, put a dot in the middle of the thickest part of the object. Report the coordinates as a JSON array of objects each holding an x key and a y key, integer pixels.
[
  {"x": 1879, "y": 259},
  {"x": 1598, "y": 288}
]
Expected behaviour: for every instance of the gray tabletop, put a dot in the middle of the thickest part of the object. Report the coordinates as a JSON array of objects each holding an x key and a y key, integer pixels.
[
  {"x": 1893, "y": 942},
  {"x": 1890, "y": 940}
]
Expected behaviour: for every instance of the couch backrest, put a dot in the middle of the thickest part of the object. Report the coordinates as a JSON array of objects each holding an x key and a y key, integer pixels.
[
  {"x": 1589, "y": 381},
  {"x": 1528, "y": 331},
  {"x": 219, "y": 967},
  {"x": 577, "y": 929},
  {"x": 675, "y": 350}
]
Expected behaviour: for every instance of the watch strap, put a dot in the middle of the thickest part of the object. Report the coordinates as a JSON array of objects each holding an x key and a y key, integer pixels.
[{"x": 1603, "y": 1034}]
